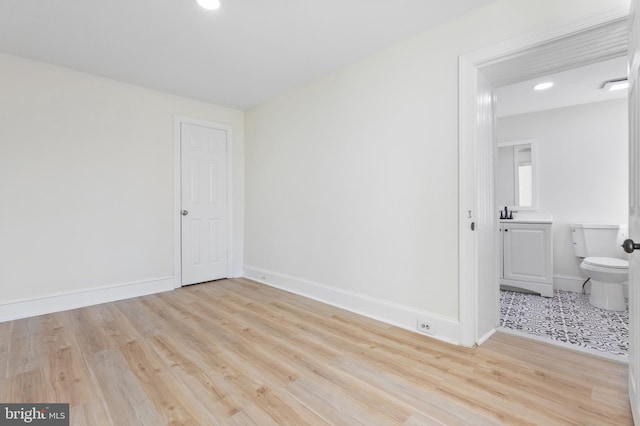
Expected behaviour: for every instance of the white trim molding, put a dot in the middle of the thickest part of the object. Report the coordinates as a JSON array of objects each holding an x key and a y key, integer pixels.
[
  {"x": 574, "y": 284},
  {"x": 177, "y": 191},
  {"x": 484, "y": 338},
  {"x": 564, "y": 283},
  {"x": 65, "y": 301},
  {"x": 402, "y": 316}
]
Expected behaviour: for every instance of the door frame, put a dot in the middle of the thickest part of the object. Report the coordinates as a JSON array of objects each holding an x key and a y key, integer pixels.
[
  {"x": 177, "y": 191},
  {"x": 474, "y": 167}
]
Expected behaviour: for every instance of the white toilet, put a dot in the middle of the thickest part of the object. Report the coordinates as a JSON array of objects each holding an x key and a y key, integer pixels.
[{"x": 604, "y": 261}]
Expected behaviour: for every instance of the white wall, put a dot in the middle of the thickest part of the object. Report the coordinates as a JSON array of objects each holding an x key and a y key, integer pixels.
[
  {"x": 86, "y": 180},
  {"x": 352, "y": 179},
  {"x": 583, "y": 168}
]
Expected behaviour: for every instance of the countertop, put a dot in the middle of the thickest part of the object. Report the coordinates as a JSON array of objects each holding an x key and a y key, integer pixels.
[{"x": 529, "y": 218}]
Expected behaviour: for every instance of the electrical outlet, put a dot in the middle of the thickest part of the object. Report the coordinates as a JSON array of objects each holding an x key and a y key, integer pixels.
[{"x": 425, "y": 327}]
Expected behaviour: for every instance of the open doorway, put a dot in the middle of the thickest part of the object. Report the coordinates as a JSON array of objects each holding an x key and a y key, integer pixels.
[
  {"x": 585, "y": 41},
  {"x": 577, "y": 129}
]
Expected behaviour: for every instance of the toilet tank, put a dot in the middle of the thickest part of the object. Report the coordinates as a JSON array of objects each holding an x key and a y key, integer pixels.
[{"x": 598, "y": 240}]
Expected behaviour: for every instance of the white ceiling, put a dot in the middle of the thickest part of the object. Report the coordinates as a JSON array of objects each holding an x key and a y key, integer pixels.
[
  {"x": 239, "y": 56},
  {"x": 572, "y": 87}
]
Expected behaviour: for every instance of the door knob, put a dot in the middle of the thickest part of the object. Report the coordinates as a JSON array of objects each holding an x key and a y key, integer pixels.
[
  {"x": 629, "y": 246},
  {"x": 184, "y": 212}
]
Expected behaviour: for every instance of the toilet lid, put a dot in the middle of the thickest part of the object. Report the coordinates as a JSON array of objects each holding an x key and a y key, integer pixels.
[{"x": 607, "y": 262}]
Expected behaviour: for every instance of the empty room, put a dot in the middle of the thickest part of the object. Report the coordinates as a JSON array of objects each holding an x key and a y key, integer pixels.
[{"x": 264, "y": 213}]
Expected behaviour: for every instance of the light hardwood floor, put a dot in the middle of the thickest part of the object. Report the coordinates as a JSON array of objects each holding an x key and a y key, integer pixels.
[{"x": 238, "y": 352}]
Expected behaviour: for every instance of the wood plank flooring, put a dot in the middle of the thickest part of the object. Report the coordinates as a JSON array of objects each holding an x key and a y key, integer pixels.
[{"x": 241, "y": 353}]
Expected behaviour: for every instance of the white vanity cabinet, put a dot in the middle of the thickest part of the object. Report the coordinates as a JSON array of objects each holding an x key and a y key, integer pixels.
[{"x": 527, "y": 256}]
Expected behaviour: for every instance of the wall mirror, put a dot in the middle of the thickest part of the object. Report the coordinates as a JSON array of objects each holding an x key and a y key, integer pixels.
[{"x": 516, "y": 175}]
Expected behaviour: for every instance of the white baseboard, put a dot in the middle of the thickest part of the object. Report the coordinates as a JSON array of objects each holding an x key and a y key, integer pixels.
[
  {"x": 575, "y": 284},
  {"x": 565, "y": 283},
  {"x": 62, "y": 302},
  {"x": 446, "y": 329},
  {"x": 484, "y": 338}
]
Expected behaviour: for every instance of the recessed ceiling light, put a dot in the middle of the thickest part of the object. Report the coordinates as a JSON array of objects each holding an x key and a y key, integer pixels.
[
  {"x": 543, "y": 86},
  {"x": 210, "y": 4},
  {"x": 618, "y": 84}
]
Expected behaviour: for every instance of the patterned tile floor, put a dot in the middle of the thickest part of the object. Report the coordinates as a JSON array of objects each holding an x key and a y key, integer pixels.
[{"x": 568, "y": 319}]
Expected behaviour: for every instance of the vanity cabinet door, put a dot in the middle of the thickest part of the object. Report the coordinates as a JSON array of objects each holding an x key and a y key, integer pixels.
[{"x": 527, "y": 254}]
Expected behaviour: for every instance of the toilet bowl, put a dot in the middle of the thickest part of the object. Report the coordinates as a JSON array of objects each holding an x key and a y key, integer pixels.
[
  {"x": 607, "y": 276},
  {"x": 603, "y": 261}
]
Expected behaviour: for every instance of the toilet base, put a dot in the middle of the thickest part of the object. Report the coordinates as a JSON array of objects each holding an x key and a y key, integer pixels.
[{"x": 609, "y": 296}]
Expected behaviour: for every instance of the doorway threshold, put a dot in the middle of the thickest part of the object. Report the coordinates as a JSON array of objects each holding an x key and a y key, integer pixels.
[{"x": 566, "y": 320}]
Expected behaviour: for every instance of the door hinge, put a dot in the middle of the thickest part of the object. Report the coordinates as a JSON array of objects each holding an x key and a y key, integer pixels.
[{"x": 473, "y": 226}]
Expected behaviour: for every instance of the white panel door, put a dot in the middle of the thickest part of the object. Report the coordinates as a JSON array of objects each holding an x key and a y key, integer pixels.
[
  {"x": 204, "y": 203},
  {"x": 634, "y": 210}
]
